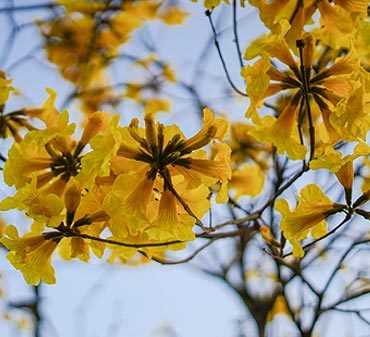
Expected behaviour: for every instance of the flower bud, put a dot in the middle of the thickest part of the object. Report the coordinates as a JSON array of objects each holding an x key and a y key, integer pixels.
[
  {"x": 345, "y": 176},
  {"x": 150, "y": 130},
  {"x": 267, "y": 236},
  {"x": 97, "y": 121},
  {"x": 308, "y": 50},
  {"x": 72, "y": 196},
  {"x": 134, "y": 130}
]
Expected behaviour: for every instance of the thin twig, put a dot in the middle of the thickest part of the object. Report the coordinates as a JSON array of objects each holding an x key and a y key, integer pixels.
[
  {"x": 208, "y": 13},
  {"x": 186, "y": 259},
  {"x": 236, "y": 36}
]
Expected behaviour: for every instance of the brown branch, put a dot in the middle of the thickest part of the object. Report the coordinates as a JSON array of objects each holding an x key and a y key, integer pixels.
[
  {"x": 347, "y": 299},
  {"x": 184, "y": 260},
  {"x": 67, "y": 232}
]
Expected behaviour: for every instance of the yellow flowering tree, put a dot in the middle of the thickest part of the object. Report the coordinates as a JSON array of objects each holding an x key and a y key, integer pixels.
[{"x": 267, "y": 156}]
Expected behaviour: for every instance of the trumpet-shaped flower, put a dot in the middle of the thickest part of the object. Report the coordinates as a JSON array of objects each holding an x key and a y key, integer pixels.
[
  {"x": 246, "y": 147},
  {"x": 248, "y": 180},
  {"x": 51, "y": 152},
  {"x": 336, "y": 92},
  {"x": 342, "y": 166},
  {"x": 309, "y": 216},
  {"x": 159, "y": 172},
  {"x": 44, "y": 208},
  {"x": 281, "y": 134},
  {"x": 337, "y": 18},
  {"x": 31, "y": 254}
]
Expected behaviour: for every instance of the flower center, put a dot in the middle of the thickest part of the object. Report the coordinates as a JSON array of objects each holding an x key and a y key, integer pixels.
[{"x": 66, "y": 165}]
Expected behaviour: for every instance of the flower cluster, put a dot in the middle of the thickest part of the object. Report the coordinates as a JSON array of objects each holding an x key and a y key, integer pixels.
[
  {"x": 332, "y": 96},
  {"x": 85, "y": 38},
  {"x": 147, "y": 187},
  {"x": 132, "y": 192}
]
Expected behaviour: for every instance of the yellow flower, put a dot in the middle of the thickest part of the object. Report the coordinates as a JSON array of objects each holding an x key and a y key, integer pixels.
[
  {"x": 352, "y": 114},
  {"x": 96, "y": 122},
  {"x": 168, "y": 152},
  {"x": 31, "y": 254},
  {"x": 210, "y": 4},
  {"x": 168, "y": 73},
  {"x": 338, "y": 18},
  {"x": 44, "y": 208},
  {"x": 71, "y": 248},
  {"x": 173, "y": 15},
  {"x": 23, "y": 159},
  {"x": 268, "y": 236},
  {"x": 11, "y": 122},
  {"x": 128, "y": 204},
  {"x": 82, "y": 46},
  {"x": 2, "y": 227},
  {"x": 309, "y": 216},
  {"x": 50, "y": 152},
  {"x": 338, "y": 21},
  {"x": 280, "y": 132},
  {"x": 278, "y": 308},
  {"x": 104, "y": 147},
  {"x": 245, "y": 147},
  {"x": 170, "y": 224},
  {"x": 335, "y": 92},
  {"x": 5, "y": 88},
  {"x": 342, "y": 166},
  {"x": 345, "y": 175},
  {"x": 248, "y": 180},
  {"x": 160, "y": 171},
  {"x": 72, "y": 199},
  {"x": 82, "y": 6},
  {"x": 258, "y": 83},
  {"x": 67, "y": 45}
]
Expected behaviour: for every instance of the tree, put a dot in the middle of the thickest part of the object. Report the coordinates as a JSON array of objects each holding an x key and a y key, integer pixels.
[{"x": 283, "y": 189}]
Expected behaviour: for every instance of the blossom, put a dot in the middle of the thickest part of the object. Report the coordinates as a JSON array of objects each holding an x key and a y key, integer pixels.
[
  {"x": 352, "y": 114},
  {"x": 337, "y": 18},
  {"x": 12, "y": 122},
  {"x": 280, "y": 132},
  {"x": 159, "y": 173},
  {"x": 51, "y": 152},
  {"x": 210, "y": 4},
  {"x": 246, "y": 147},
  {"x": 166, "y": 152},
  {"x": 31, "y": 254},
  {"x": 334, "y": 92},
  {"x": 247, "y": 180},
  {"x": 342, "y": 166},
  {"x": 169, "y": 223},
  {"x": 5, "y": 88},
  {"x": 88, "y": 45},
  {"x": 44, "y": 208},
  {"x": 309, "y": 216}
]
